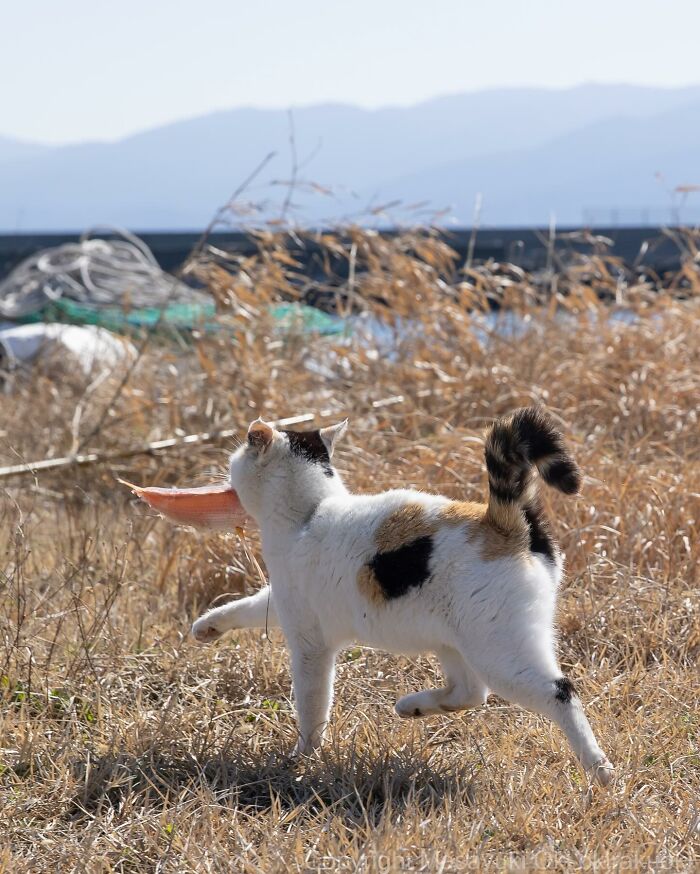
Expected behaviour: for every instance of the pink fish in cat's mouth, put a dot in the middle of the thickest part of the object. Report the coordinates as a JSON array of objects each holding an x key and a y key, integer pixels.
[{"x": 215, "y": 507}]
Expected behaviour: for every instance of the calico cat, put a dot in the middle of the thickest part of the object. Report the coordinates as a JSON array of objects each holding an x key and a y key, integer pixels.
[{"x": 411, "y": 572}]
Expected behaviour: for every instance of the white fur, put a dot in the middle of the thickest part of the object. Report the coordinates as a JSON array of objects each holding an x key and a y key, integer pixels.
[{"x": 490, "y": 622}]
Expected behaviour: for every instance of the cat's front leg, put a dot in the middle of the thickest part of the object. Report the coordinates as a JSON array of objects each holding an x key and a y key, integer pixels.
[
  {"x": 256, "y": 611},
  {"x": 313, "y": 671}
]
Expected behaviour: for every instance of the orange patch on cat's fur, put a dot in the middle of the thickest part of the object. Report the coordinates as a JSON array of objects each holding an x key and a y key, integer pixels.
[
  {"x": 461, "y": 512},
  {"x": 399, "y": 528},
  {"x": 504, "y": 543},
  {"x": 504, "y": 532},
  {"x": 403, "y": 526},
  {"x": 368, "y": 584}
]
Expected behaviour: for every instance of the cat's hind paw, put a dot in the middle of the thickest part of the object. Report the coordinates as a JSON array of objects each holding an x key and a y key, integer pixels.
[
  {"x": 603, "y": 771},
  {"x": 415, "y": 705}
]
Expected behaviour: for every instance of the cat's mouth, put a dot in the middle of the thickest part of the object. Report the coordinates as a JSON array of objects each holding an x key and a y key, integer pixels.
[{"x": 215, "y": 507}]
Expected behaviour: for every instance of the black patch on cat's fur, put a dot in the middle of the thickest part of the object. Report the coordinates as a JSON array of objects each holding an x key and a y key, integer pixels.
[
  {"x": 532, "y": 427},
  {"x": 506, "y": 493},
  {"x": 499, "y": 469},
  {"x": 403, "y": 568},
  {"x": 541, "y": 539},
  {"x": 565, "y": 690},
  {"x": 563, "y": 474},
  {"x": 310, "y": 446}
]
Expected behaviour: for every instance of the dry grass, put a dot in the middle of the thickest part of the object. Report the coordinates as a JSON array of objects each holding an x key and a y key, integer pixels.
[{"x": 126, "y": 747}]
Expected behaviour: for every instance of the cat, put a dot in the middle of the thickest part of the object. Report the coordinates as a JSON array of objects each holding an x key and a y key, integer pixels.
[{"x": 411, "y": 572}]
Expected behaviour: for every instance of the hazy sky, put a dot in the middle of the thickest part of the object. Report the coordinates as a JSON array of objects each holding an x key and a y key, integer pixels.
[{"x": 91, "y": 69}]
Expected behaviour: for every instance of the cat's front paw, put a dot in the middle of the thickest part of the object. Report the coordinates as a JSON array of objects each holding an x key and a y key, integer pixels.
[
  {"x": 204, "y": 629},
  {"x": 305, "y": 747}
]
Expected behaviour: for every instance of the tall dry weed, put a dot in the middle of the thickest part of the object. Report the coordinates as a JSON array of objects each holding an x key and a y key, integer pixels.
[{"x": 126, "y": 747}]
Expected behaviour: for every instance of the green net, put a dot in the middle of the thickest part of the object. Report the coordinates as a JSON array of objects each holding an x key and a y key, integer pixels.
[{"x": 180, "y": 316}]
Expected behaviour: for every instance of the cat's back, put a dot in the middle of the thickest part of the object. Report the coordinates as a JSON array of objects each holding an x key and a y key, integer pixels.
[
  {"x": 372, "y": 516},
  {"x": 347, "y": 528},
  {"x": 404, "y": 533}
]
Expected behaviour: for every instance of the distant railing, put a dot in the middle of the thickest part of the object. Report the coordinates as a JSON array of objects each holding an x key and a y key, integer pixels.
[
  {"x": 638, "y": 217},
  {"x": 527, "y": 247}
]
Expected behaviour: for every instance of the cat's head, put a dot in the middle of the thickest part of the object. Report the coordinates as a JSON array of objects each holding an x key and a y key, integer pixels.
[{"x": 277, "y": 468}]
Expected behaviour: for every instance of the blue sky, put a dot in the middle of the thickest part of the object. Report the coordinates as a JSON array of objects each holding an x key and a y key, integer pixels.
[{"x": 90, "y": 69}]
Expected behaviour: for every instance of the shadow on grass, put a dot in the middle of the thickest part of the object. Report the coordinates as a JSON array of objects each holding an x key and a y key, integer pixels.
[{"x": 361, "y": 787}]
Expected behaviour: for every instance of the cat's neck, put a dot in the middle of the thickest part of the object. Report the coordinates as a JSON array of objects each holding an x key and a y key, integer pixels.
[{"x": 292, "y": 508}]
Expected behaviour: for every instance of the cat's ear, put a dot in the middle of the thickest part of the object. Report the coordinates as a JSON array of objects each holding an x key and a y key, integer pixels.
[
  {"x": 260, "y": 435},
  {"x": 332, "y": 434}
]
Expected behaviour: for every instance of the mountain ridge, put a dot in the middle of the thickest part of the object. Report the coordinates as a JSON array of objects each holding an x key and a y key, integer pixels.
[{"x": 176, "y": 175}]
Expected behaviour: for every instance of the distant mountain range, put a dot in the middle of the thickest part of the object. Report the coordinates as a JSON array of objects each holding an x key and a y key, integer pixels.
[
  {"x": 529, "y": 152},
  {"x": 11, "y": 150}
]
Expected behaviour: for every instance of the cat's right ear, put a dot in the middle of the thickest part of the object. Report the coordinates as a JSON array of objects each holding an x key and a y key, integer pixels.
[{"x": 260, "y": 435}]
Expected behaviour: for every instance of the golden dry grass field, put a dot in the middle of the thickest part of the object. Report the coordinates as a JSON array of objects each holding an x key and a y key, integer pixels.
[{"x": 127, "y": 747}]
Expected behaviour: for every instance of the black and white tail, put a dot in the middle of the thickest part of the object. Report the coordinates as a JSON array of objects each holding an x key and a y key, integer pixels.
[{"x": 515, "y": 446}]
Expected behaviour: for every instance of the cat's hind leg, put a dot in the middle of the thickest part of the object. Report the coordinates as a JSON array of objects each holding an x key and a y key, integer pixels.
[
  {"x": 523, "y": 668},
  {"x": 257, "y": 611},
  {"x": 463, "y": 689}
]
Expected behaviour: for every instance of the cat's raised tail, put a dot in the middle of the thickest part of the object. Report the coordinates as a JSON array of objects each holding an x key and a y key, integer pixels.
[{"x": 515, "y": 446}]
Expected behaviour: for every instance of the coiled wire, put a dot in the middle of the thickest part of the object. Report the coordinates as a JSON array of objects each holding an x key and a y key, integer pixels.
[{"x": 119, "y": 271}]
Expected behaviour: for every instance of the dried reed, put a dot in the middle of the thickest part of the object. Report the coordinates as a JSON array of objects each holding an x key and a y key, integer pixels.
[{"x": 126, "y": 747}]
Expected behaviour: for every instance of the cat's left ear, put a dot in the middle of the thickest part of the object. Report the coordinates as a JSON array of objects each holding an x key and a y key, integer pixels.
[
  {"x": 260, "y": 435},
  {"x": 332, "y": 434}
]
